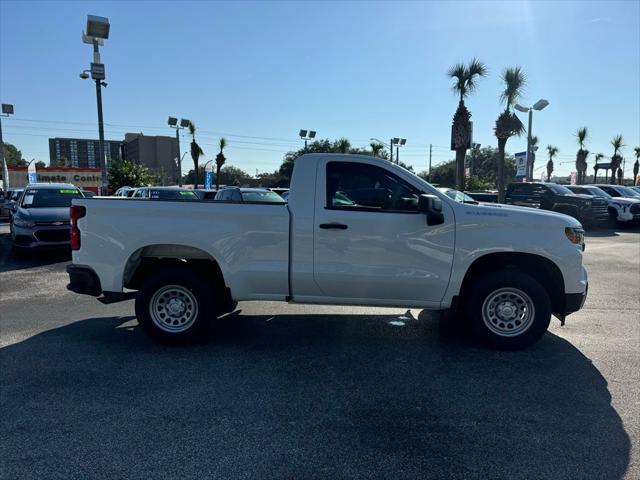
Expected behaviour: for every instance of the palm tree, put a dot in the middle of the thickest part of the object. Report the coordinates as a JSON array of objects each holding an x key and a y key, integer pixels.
[
  {"x": 508, "y": 124},
  {"x": 636, "y": 165},
  {"x": 376, "y": 148},
  {"x": 534, "y": 146},
  {"x": 616, "y": 159},
  {"x": 196, "y": 151},
  {"x": 599, "y": 156},
  {"x": 581, "y": 155},
  {"x": 552, "y": 151},
  {"x": 220, "y": 160},
  {"x": 466, "y": 78},
  {"x": 343, "y": 145}
]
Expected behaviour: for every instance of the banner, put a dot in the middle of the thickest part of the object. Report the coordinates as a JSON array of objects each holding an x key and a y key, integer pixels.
[
  {"x": 32, "y": 175},
  {"x": 208, "y": 176},
  {"x": 574, "y": 177},
  {"x": 5, "y": 174},
  {"x": 521, "y": 165}
]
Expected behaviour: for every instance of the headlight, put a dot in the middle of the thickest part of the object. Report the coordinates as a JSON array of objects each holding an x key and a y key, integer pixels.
[
  {"x": 21, "y": 222},
  {"x": 575, "y": 235}
]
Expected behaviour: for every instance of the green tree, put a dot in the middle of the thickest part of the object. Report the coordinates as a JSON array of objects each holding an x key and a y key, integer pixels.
[
  {"x": 196, "y": 151},
  {"x": 616, "y": 159},
  {"x": 552, "y": 152},
  {"x": 127, "y": 173},
  {"x": 581, "y": 155},
  {"x": 376, "y": 148},
  {"x": 341, "y": 145},
  {"x": 598, "y": 157},
  {"x": 220, "y": 160},
  {"x": 508, "y": 124},
  {"x": 13, "y": 156},
  {"x": 465, "y": 82},
  {"x": 40, "y": 164}
]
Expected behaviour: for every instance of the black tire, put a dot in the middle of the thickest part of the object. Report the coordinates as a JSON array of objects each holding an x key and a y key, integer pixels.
[
  {"x": 512, "y": 290},
  {"x": 181, "y": 286}
]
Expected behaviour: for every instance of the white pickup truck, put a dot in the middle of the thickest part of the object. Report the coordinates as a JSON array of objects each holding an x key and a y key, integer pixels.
[{"x": 356, "y": 231}]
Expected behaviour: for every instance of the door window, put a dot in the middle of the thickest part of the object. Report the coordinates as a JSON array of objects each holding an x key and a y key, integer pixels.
[{"x": 359, "y": 186}]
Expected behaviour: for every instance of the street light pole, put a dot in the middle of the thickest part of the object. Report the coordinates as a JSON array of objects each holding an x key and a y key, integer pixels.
[
  {"x": 101, "y": 152},
  {"x": 539, "y": 105},
  {"x": 529, "y": 154},
  {"x": 97, "y": 32}
]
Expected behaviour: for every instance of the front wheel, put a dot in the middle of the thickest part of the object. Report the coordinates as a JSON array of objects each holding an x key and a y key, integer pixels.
[
  {"x": 175, "y": 305},
  {"x": 509, "y": 310}
]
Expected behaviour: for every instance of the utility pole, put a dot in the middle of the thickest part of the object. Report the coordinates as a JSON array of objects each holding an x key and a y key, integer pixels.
[
  {"x": 391, "y": 148},
  {"x": 103, "y": 160},
  {"x": 430, "y": 150}
]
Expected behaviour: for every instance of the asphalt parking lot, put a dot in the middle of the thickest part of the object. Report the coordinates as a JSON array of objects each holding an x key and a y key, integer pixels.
[{"x": 285, "y": 391}]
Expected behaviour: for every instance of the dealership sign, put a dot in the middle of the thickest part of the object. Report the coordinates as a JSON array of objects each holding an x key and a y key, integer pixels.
[{"x": 86, "y": 178}]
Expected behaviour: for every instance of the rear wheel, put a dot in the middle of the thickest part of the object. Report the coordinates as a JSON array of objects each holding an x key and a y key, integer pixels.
[
  {"x": 175, "y": 305},
  {"x": 509, "y": 310}
]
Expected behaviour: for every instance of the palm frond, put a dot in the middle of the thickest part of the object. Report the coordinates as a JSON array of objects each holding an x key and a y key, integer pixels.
[
  {"x": 534, "y": 141},
  {"x": 223, "y": 143},
  {"x": 475, "y": 71},
  {"x": 515, "y": 81},
  {"x": 459, "y": 73},
  {"x": 192, "y": 128},
  {"x": 552, "y": 151},
  {"x": 637, "y": 152},
  {"x": 617, "y": 142},
  {"x": 581, "y": 135}
]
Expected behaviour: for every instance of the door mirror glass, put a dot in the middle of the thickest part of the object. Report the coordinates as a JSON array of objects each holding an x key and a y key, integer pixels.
[{"x": 431, "y": 206}]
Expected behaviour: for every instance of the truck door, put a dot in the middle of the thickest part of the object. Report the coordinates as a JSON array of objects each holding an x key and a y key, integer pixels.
[{"x": 370, "y": 241}]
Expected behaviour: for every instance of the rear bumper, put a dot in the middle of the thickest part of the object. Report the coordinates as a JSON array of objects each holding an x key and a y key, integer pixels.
[{"x": 83, "y": 280}]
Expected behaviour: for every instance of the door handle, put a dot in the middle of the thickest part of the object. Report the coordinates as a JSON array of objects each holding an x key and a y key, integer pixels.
[{"x": 337, "y": 226}]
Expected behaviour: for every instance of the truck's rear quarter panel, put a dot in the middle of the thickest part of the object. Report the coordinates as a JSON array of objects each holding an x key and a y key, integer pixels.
[{"x": 250, "y": 242}]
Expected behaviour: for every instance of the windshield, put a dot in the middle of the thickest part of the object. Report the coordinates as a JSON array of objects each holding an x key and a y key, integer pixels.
[
  {"x": 597, "y": 192},
  {"x": 459, "y": 196},
  {"x": 49, "y": 197},
  {"x": 628, "y": 192},
  {"x": 174, "y": 194},
  {"x": 259, "y": 196},
  {"x": 561, "y": 190}
]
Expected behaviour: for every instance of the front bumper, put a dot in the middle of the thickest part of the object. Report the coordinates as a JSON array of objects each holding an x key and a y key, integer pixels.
[
  {"x": 41, "y": 236},
  {"x": 83, "y": 280},
  {"x": 575, "y": 301}
]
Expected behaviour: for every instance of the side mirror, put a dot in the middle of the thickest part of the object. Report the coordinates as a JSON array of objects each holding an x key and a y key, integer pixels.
[{"x": 431, "y": 206}]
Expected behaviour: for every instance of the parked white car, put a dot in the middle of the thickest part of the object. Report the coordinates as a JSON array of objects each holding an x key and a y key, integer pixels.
[
  {"x": 621, "y": 209},
  {"x": 356, "y": 230}
]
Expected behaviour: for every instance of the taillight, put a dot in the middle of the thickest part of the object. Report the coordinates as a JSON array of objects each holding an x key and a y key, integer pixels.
[{"x": 76, "y": 212}]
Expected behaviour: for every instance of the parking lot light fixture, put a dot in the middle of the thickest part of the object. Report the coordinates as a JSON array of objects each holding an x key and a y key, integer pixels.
[{"x": 306, "y": 135}]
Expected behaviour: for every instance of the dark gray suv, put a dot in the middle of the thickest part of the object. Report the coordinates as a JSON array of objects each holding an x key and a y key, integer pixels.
[{"x": 41, "y": 217}]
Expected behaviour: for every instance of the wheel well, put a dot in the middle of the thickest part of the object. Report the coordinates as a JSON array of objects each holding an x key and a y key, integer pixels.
[
  {"x": 542, "y": 269},
  {"x": 144, "y": 261}
]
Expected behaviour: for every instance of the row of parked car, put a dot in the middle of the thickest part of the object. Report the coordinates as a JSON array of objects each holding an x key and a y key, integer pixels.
[
  {"x": 592, "y": 205},
  {"x": 229, "y": 194},
  {"x": 40, "y": 212}
]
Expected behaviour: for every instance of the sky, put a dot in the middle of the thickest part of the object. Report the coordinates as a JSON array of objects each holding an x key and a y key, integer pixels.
[{"x": 258, "y": 72}]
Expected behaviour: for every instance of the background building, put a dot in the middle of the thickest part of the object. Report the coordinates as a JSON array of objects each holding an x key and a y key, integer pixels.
[
  {"x": 80, "y": 152},
  {"x": 158, "y": 153}
]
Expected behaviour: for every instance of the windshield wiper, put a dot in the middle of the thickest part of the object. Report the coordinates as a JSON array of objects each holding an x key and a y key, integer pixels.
[{"x": 472, "y": 202}]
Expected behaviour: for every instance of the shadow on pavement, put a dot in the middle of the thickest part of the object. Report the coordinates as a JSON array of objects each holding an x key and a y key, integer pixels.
[{"x": 303, "y": 396}]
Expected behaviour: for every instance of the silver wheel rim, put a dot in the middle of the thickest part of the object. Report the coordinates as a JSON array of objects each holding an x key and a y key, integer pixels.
[
  {"x": 173, "y": 308},
  {"x": 508, "y": 312}
]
